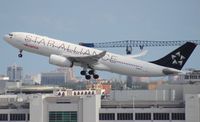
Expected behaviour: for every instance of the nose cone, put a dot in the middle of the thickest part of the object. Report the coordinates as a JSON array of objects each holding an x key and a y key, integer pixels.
[{"x": 6, "y": 37}]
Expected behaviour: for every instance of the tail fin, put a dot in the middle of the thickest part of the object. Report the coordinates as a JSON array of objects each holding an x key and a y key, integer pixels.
[{"x": 177, "y": 58}]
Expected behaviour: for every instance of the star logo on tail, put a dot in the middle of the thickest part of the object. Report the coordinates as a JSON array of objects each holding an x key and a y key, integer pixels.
[{"x": 177, "y": 58}]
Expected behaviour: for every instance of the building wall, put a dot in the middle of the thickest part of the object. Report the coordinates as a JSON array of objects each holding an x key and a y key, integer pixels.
[
  {"x": 178, "y": 91},
  {"x": 91, "y": 106},
  {"x": 86, "y": 107},
  {"x": 175, "y": 91},
  {"x": 2, "y": 86},
  {"x": 140, "y": 95},
  {"x": 38, "y": 108},
  {"x": 191, "y": 89},
  {"x": 58, "y": 77},
  {"x": 142, "y": 110},
  {"x": 192, "y": 107},
  {"x": 55, "y": 78}
]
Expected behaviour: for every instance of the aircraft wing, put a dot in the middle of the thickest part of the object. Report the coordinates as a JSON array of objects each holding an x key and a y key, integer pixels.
[{"x": 85, "y": 60}]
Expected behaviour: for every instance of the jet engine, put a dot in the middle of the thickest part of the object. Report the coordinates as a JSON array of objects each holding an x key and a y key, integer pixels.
[{"x": 60, "y": 61}]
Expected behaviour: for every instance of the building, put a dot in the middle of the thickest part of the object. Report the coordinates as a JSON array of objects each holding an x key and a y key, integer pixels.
[
  {"x": 69, "y": 72},
  {"x": 55, "y": 78},
  {"x": 137, "y": 82},
  {"x": 71, "y": 107},
  {"x": 58, "y": 77},
  {"x": 32, "y": 79},
  {"x": 7, "y": 84},
  {"x": 154, "y": 85},
  {"x": 32, "y": 89},
  {"x": 86, "y": 108},
  {"x": 168, "y": 103},
  {"x": 192, "y": 106},
  {"x": 105, "y": 86},
  {"x": 14, "y": 72},
  {"x": 191, "y": 76},
  {"x": 3, "y": 77}
]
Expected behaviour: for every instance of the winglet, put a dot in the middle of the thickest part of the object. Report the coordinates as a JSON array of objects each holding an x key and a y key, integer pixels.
[{"x": 102, "y": 54}]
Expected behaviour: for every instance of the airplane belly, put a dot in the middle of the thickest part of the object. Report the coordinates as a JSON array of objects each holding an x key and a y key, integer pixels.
[
  {"x": 137, "y": 69},
  {"x": 122, "y": 69}
]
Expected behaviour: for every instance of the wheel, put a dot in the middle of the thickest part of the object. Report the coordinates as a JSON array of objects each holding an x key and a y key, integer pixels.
[
  {"x": 88, "y": 77},
  {"x": 91, "y": 72},
  {"x": 20, "y": 55},
  {"x": 83, "y": 72},
  {"x": 95, "y": 76}
]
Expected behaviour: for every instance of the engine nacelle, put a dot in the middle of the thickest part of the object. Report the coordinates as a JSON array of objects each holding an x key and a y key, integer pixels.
[{"x": 60, "y": 61}]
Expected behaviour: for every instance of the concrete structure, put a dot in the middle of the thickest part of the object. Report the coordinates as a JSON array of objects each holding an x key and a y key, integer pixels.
[
  {"x": 192, "y": 107},
  {"x": 140, "y": 95},
  {"x": 3, "y": 77},
  {"x": 178, "y": 91},
  {"x": 13, "y": 87},
  {"x": 15, "y": 73},
  {"x": 7, "y": 84},
  {"x": 32, "y": 89}
]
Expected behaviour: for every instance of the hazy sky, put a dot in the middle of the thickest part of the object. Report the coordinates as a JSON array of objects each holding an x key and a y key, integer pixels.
[{"x": 98, "y": 20}]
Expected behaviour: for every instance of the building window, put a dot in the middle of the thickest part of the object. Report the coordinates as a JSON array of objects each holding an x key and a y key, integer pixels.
[
  {"x": 17, "y": 117},
  {"x": 3, "y": 117},
  {"x": 178, "y": 116},
  {"x": 186, "y": 77},
  {"x": 28, "y": 116},
  {"x": 124, "y": 116},
  {"x": 62, "y": 116},
  {"x": 161, "y": 116},
  {"x": 142, "y": 116},
  {"x": 193, "y": 77},
  {"x": 107, "y": 116}
]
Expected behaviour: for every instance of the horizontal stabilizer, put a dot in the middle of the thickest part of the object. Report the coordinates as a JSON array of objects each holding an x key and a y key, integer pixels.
[
  {"x": 142, "y": 53},
  {"x": 171, "y": 72}
]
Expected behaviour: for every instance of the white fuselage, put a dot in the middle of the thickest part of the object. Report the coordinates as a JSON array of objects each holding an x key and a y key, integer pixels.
[{"x": 110, "y": 62}]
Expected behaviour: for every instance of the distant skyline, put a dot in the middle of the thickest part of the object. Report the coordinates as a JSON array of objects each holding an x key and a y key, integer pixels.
[{"x": 98, "y": 21}]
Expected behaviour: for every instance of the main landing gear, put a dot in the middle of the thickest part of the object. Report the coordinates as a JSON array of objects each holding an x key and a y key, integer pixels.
[
  {"x": 20, "y": 54},
  {"x": 89, "y": 73}
]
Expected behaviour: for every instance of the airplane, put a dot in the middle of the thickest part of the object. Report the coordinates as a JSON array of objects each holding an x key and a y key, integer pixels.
[{"x": 65, "y": 54}]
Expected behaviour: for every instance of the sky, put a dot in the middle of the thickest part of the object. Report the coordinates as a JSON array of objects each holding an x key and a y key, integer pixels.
[{"x": 98, "y": 21}]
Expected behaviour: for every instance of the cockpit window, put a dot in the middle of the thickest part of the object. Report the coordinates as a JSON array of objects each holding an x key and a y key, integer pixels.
[{"x": 10, "y": 34}]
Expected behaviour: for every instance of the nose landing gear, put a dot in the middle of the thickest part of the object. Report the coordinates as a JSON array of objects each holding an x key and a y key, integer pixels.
[{"x": 20, "y": 54}]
